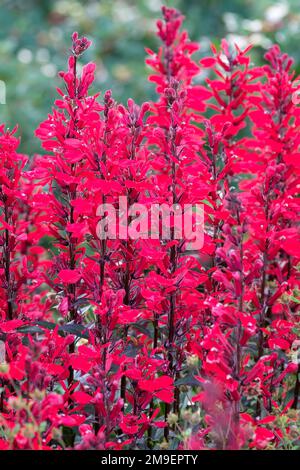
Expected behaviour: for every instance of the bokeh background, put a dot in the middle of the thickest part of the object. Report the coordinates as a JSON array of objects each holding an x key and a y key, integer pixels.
[{"x": 35, "y": 38}]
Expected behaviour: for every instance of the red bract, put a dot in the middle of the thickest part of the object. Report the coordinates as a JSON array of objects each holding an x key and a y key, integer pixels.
[{"x": 110, "y": 341}]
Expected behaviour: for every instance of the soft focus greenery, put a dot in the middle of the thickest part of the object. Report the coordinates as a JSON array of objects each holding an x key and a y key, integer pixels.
[{"x": 35, "y": 37}]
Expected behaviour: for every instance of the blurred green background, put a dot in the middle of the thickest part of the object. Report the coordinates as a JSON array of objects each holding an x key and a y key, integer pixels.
[{"x": 35, "y": 37}]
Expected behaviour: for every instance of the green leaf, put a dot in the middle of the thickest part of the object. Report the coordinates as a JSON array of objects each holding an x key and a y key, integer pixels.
[
  {"x": 188, "y": 380},
  {"x": 294, "y": 299},
  {"x": 72, "y": 328}
]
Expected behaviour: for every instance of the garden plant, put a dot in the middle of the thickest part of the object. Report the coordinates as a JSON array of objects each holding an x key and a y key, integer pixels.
[{"x": 113, "y": 342}]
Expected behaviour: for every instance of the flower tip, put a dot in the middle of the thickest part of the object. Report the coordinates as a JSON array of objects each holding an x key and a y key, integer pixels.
[{"x": 74, "y": 36}]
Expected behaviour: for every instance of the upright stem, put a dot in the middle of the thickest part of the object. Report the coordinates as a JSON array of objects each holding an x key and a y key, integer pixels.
[
  {"x": 155, "y": 344},
  {"x": 72, "y": 291},
  {"x": 239, "y": 335},
  {"x": 296, "y": 390},
  {"x": 262, "y": 316},
  {"x": 72, "y": 248},
  {"x": 126, "y": 302},
  {"x": 103, "y": 250},
  {"x": 172, "y": 306},
  {"x": 127, "y": 280},
  {"x": 10, "y": 312}
]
